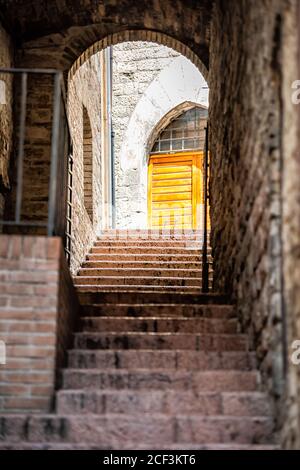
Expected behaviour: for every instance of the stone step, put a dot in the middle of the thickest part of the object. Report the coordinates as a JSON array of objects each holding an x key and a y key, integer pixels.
[
  {"x": 137, "y": 446},
  {"x": 161, "y": 359},
  {"x": 145, "y": 257},
  {"x": 149, "y": 236},
  {"x": 166, "y": 402},
  {"x": 158, "y": 310},
  {"x": 157, "y": 265},
  {"x": 116, "y": 288},
  {"x": 150, "y": 233},
  {"x": 160, "y": 379},
  {"x": 87, "y": 298},
  {"x": 125, "y": 430},
  {"x": 159, "y": 243},
  {"x": 140, "y": 272},
  {"x": 137, "y": 281},
  {"x": 196, "y": 342},
  {"x": 146, "y": 250},
  {"x": 159, "y": 325}
]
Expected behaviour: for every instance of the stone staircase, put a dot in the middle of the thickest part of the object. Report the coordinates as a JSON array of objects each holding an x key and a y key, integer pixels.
[
  {"x": 144, "y": 261},
  {"x": 155, "y": 363}
]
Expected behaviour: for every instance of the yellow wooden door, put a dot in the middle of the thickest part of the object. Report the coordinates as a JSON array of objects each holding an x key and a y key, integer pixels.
[{"x": 175, "y": 191}]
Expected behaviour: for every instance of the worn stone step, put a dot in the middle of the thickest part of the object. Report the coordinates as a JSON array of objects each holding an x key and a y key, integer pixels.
[
  {"x": 161, "y": 359},
  {"x": 148, "y": 236},
  {"x": 142, "y": 265},
  {"x": 160, "y": 379},
  {"x": 159, "y": 310},
  {"x": 137, "y": 281},
  {"x": 159, "y": 325},
  {"x": 100, "y": 249},
  {"x": 150, "y": 233},
  {"x": 196, "y": 342},
  {"x": 140, "y": 272},
  {"x": 135, "y": 288},
  {"x": 122, "y": 430},
  {"x": 159, "y": 243},
  {"x": 145, "y": 257},
  {"x": 98, "y": 297},
  {"x": 166, "y": 402}
]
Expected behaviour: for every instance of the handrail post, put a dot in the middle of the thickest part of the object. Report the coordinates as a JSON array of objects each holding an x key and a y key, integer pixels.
[
  {"x": 54, "y": 154},
  {"x": 205, "y": 265},
  {"x": 22, "y": 131}
]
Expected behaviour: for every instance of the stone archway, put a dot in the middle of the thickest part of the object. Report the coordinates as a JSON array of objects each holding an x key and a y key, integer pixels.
[
  {"x": 139, "y": 35},
  {"x": 56, "y": 34}
]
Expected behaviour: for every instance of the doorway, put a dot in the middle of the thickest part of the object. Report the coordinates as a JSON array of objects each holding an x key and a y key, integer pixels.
[
  {"x": 174, "y": 191},
  {"x": 176, "y": 173}
]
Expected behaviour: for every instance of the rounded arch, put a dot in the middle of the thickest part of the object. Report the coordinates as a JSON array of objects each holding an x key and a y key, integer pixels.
[
  {"x": 163, "y": 96},
  {"x": 139, "y": 35}
]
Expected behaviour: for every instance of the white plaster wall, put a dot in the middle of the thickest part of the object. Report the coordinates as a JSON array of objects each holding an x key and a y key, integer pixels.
[
  {"x": 174, "y": 80},
  {"x": 135, "y": 66}
]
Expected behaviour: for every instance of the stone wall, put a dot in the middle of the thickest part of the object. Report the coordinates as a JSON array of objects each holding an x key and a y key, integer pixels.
[
  {"x": 245, "y": 116},
  {"x": 38, "y": 310},
  {"x": 149, "y": 80},
  {"x": 84, "y": 102},
  {"x": 290, "y": 414},
  {"x": 135, "y": 66},
  {"x": 6, "y": 122}
]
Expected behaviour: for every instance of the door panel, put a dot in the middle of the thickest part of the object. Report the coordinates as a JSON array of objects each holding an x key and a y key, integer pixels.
[
  {"x": 172, "y": 189},
  {"x": 175, "y": 190},
  {"x": 172, "y": 182},
  {"x": 172, "y": 176}
]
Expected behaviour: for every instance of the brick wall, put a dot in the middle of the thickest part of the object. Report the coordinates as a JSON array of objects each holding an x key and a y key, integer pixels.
[
  {"x": 38, "y": 309},
  {"x": 67, "y": 313},
  {"x": 84, "y": 101},
  {"x": 37, "y": 152}
]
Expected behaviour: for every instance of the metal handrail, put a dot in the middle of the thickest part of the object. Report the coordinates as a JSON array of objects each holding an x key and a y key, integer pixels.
[
  {"x": 59, "y": 153},
  {"x": 205, "y": 264}
]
